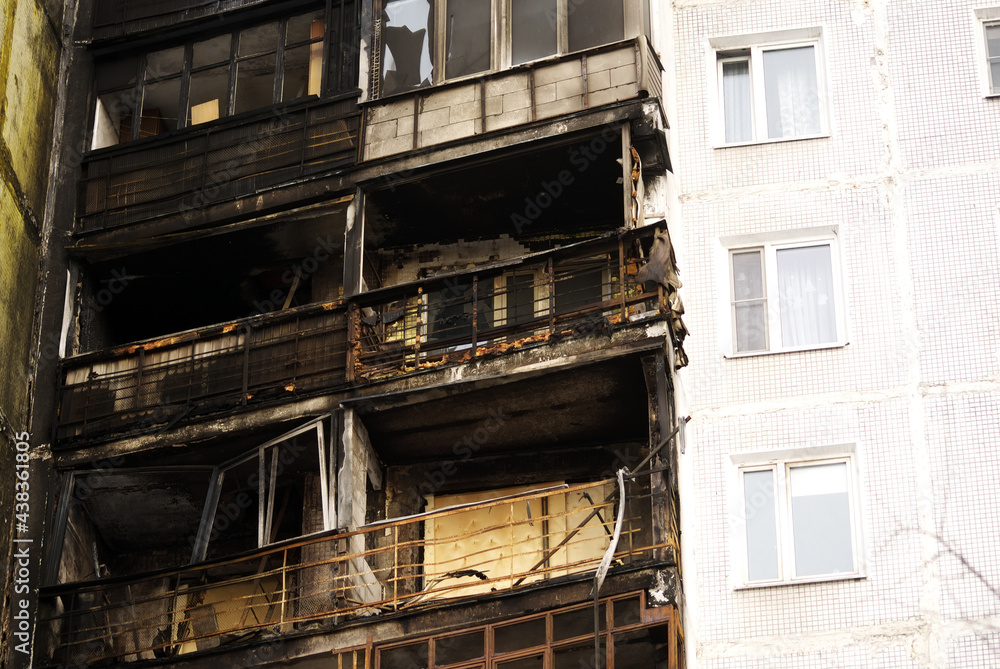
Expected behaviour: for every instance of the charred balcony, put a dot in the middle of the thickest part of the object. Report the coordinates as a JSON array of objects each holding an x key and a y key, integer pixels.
[
  {"x": 586, "y": 291},
  {"x": 523, "y": 541}
]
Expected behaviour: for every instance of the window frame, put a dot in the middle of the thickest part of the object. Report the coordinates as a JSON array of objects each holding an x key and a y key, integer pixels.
[
  {"x": 781, "y": 463},
  {"x": 769, "y": 245},
  {"x": 983, "y": 19},
  {"x": 751, "y": 48},
  {"x": 635, "y": 22},
  {"x": 337, "y": 22}
]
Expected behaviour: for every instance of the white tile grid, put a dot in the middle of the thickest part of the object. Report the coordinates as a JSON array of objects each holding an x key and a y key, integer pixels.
[
  {"x": 962, "y": 436},
  {"x": 954, "y": 249},
  {"x": 871, "y": 306},
  {"x": 853, "y": 145},
  {"x": 887, "y": 502},
  {"x": 980, "y": 652},
  {"x": 942, "y": 114},
  {"x": 854, "y": 656}
]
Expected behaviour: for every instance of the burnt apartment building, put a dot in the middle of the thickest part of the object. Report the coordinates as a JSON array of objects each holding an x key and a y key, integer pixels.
[{"x": 370, "y": 327}]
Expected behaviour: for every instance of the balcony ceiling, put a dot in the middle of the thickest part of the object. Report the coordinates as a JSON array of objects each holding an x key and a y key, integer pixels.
[{"x": 545, "y": 410}]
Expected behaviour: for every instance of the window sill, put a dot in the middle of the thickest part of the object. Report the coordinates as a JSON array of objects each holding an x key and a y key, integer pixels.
[
  {"x": 830, "y": 578},
  {"x": 778, "y": 140},
  {"x": 801, "y": 349}
]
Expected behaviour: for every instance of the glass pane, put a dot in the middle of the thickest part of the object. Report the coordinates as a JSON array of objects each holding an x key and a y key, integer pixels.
[
  {"x": 576, "y": 656},
  {"x": 805, "y": 296},
  {"x": 211, "y": 51},
  {"x": 595, "y": 22},
  {"x": 530, "y": 662},
  {"x": 305, "y": 27},
  {"x": 761, "y": 525},
  {"x": 995, "y": 76},
  {"x": 534, "y": 29},
  {"x": 751, "y": 326},
  {"x": 736, "y": 100},
  {"x": 414, "y": 656},
  {"x": 303, "y": 69},
  {"x": 468, "y": 48},
  {"x": 454, "y": 649},
  {"x": 116, "y": 73},
  {"x": 791, "y": 92},
  {"x": 161, "y": 64},
  {"x": 254, "y": 83},
  {"x": 527, "y": 634},
  {"x": 579, "y": 622},
  {"x": 821, "y": 520},
  {"x": 113, "y": 120},
  {"x": 160, "y": 102},
  {"x": 208, "y": 95},
  {"x": 993, "y": 40},
  {"x": 748, "y": 275},
  {"x": 641, "y": 649},
  {"x": 259, "y": 39},
  {"x": 406, "y": 56},
  {"x": 627, "y": 612}
]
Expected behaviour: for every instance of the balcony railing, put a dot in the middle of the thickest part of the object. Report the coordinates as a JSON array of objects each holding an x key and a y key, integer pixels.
[
  {"x": 581, "y": 289},
  {"x": 193, "y": 169},
  {"x": 585, "y": 288},
  {"x": 456, "y": 553},
  {"x": 224, "y": 366}
]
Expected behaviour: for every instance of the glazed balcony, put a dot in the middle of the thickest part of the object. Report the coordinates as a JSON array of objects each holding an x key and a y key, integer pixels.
[
  {"x": 543, "y": 537},
  {"x": 516, "y": 96},
  {"x": 189, "y": 170}
]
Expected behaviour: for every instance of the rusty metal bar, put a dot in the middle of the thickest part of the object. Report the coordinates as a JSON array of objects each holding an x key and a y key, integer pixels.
[{"x": 475, "y": 314}]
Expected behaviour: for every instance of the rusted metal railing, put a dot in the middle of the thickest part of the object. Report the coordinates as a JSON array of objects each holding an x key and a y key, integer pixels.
[
  {"x": 458, "y": 552},
  {"x": 586, "y": 288},
  {"x": 189, "y": 170},
  {"x": 156, "y": 382}
]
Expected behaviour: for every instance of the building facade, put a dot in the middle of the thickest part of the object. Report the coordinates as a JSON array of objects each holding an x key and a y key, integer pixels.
[
  {"x": 371, "y": 324},
  {"x": 838, "y": 189}
]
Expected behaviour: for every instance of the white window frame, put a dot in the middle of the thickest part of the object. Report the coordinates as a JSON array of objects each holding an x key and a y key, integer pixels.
[
  {"x": 751, "y": 48},
  {"x": 780, "y": 463},
  {"x": 770, "y": 243},
  {"x": 982, "y": 19}
]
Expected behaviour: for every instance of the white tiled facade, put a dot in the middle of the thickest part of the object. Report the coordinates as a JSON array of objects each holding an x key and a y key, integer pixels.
[{"x": 909, "y": 176}]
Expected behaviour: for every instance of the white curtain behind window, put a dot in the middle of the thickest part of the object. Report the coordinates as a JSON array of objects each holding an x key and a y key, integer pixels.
[
  {"x": 791, "y": 92},
  {"x": 736, "y": 100},
  {"x": 805, "y": 296}
]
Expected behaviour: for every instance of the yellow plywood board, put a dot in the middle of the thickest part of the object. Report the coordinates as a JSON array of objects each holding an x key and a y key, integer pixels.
[{"x": 205, "y": 112}]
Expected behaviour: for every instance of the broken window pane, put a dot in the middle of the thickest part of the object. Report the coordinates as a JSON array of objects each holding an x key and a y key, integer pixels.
[
  {"x": 234, "y": 528},
  {"x": 208, "y": 95},
  {"x": 293, "y": 499},
  {"x": 113, "y": 122},
  {"x": 406, "y": 56},
  {"x": 116, "y": 74},
  {"x": 254, "y": 83},
  {"x": 534, "y": 29},
  {"x": 595, "y": 22},
  {"x": 160, "y": 103},
  {"x": 579, "y": 622},
  {"x": 302, "y": 71},
  {"x": 468, "y": 47}
]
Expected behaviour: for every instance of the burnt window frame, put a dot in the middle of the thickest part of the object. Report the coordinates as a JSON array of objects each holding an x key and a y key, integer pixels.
[
  {"x": 635, "y": 19},
  {"x": 338, "y": 67}
]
